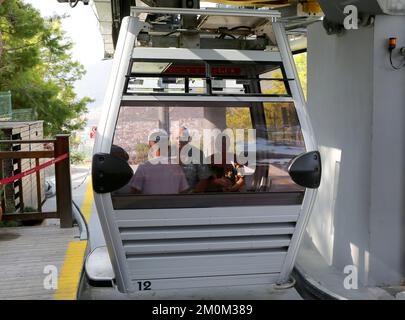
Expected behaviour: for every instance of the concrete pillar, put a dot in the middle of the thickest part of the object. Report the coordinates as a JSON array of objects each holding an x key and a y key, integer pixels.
[
  {"x": 387, "y": 194},
  {"x": 214, "y": 118},
  {"x": 357, "y": 105}
]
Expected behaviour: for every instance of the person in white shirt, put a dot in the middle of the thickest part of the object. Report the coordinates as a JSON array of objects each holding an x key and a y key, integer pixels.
[
  {"x": 197, "y": 173},
  {"x": 157, "y": 175}
]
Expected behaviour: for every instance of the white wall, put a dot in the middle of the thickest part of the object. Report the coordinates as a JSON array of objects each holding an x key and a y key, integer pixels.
[
  {"x": 358, "y": 217},
  {"x": 340, "y": 106},
  {"x": 387, "y": 211}
]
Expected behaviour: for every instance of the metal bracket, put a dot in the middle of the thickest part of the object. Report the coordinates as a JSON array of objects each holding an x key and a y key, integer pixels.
[{"x": 269, "y": 14}]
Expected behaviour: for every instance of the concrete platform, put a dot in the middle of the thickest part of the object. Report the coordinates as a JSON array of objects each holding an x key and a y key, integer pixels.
[
  {"x": 24, "y": 253},
  {"x": 327, "y": 281},
  {"x": 253, "y": 292}
]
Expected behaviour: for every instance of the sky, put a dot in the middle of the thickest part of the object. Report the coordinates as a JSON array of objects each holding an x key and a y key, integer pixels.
[{"x": 82, "y": 28}]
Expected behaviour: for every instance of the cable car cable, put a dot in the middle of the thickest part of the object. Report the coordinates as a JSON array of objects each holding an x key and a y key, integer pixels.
[
  {"x": 73, "y": 3},
  {"x": 392, "y": 44},
  {"x": 392, "y": 63}
]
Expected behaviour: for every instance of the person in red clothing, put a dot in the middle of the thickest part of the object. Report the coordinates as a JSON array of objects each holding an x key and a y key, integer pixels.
[{"x": 227, "y": 174}]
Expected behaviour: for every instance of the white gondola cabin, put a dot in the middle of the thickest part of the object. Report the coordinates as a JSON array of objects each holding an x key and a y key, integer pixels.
[{"x": 234, "y": 219}]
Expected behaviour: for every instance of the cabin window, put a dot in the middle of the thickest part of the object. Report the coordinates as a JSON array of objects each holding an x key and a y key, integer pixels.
[
  {"x": 206, "y": 78},
  {"x": 208, "y": 155}
]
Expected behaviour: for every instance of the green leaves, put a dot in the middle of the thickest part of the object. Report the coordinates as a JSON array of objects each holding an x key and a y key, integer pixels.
[{"x": 36, "y": 66}]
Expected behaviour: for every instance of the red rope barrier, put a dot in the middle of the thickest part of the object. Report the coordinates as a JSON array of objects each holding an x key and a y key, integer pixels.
[{"x": 33, "y": 170}]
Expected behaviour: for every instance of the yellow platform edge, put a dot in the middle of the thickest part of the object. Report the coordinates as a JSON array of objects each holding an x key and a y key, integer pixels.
[{"x": 69, "y": 276}]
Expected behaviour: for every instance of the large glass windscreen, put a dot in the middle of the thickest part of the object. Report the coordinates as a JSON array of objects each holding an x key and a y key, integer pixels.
[
  {"x": 207, "y": 78},
  {"x": 203, "y": 149}
]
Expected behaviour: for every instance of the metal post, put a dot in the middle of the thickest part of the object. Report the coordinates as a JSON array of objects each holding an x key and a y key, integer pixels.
[
  {"x": 164, "y": 120},
  {"x": 223, "y": 12},
  {"x": 63, "y": 182},
  {"x": 310, "y": 142},
  {"x": 20, "y": 186},
  {"x": 38, "y": 185},
  {"x": 2, "y": 191}
]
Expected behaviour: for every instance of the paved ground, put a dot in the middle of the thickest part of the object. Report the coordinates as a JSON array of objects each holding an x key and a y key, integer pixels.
[
  {"x": 80, "y": 178},
  {"x": 331, "y": 280},
  {"x": 26, "y": 252},
  {"x": 254, "y": 292}
]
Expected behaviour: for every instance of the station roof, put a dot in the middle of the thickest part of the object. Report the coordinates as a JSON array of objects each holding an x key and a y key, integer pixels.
[
  {"x": 104, "y": 15},
  {"x": 111, "y": 12}
]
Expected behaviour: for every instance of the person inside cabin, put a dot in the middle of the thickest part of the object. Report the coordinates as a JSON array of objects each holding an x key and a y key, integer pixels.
[
  {"x": 227, "y": 173},
  {"x": 157, "y": 175},
  {"x": 191, "y": 160}
]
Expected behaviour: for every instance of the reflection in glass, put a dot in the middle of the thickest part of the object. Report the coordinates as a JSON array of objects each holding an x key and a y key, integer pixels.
[{"x": 271, "y": 131}]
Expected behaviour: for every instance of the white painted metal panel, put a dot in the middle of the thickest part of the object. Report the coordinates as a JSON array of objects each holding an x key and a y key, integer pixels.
[
  {"x": 205, "y": 220},
  {"x": 204, "y": 282},
  {"x": 207, "y": 244},
  {"x": 129, "y": 99},
  {"x": 310, "y": 144},
  {"x": 249, "y": 262},
  {"x": 166, "y": 54},
  {"x": 229, "y": 215},
  {"x": 130, "y": 27},
  {"x": 223, "y": 230}
]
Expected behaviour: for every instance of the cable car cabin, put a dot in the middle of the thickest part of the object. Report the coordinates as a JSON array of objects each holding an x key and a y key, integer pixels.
[{"x": 205, "y": 165}]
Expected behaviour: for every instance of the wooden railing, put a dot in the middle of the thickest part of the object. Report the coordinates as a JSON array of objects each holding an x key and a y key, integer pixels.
[{"x": 62, "y": 179}]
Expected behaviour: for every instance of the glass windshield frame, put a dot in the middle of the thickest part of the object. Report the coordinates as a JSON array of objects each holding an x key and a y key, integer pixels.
[
  {"x": 196, "y": 200},
  {"x": 210, "y": 71}
]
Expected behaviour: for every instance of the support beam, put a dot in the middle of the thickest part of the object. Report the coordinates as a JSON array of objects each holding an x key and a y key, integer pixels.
[
  {"x": 30, "y": 216},
  {"x": 205, "y": 43},
  {"x": 269, "y": 14},
  {"x": 63, "y": 183}
]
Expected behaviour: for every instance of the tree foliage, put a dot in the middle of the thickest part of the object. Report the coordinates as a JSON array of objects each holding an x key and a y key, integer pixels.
[
  {"x": 280, "y": 117},
  {"x": 301, "y": 64},
  {"x": 36, "y": 66}
]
